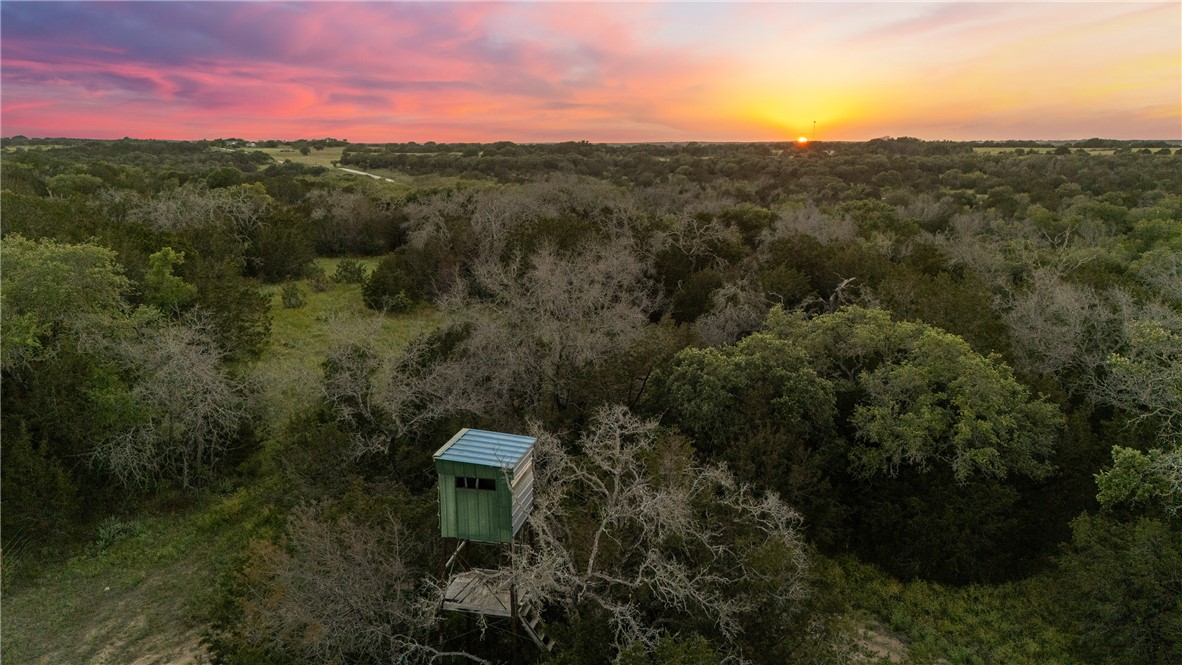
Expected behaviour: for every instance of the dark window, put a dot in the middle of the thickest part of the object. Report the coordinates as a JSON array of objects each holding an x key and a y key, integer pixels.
[{"x": 467, "y": 482}]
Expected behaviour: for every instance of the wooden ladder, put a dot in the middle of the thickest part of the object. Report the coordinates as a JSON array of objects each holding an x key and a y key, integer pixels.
[{"x": 531, "y": 618}]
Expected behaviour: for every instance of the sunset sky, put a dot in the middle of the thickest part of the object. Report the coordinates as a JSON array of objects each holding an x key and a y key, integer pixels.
[{"x": 387, "y": 71}]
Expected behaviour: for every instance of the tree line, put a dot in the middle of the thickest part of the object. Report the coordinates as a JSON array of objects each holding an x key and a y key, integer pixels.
[{"x": 959, "y": 367}]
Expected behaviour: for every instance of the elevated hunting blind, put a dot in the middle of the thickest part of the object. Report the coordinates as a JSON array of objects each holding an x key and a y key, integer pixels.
[{"x": 486, "y": 485}]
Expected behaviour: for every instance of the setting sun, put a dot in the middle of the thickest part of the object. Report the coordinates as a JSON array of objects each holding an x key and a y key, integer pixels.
[{"x": 802, "y": 140}]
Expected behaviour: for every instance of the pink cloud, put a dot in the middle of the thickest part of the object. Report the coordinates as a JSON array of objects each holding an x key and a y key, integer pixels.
[{"x": 449, "y": 71}]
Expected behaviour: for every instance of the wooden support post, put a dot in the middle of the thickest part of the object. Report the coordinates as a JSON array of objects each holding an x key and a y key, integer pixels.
[
  {"x": 442, "y": 581},
  {"x": 513, "y": 593}
]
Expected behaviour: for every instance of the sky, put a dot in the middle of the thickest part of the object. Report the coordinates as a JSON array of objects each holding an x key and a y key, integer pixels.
[{"x": 596, "y": 71}]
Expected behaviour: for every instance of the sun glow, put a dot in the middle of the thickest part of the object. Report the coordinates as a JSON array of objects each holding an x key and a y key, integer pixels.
[{"x": 802, "y": 140}]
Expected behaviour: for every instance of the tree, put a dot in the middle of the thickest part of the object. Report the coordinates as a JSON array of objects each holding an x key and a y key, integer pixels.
[
  {"x": 923, "y": 397},
  {"x": 632, "y": 530},
  {"x": 1061, "y": 329},
  {"x": 1145, "y": 378},
  {"x": 389, "y": 287},
  {"x": 239, "y": 208},
  {"x": 1120, "y": 588},
  {"x": 758, "y": 405},
  {"x": 162, "y": 288},
  {"x": 340, "y": 591},
  {"x": 532, "y": 331},
  {"x": 239, "y": 311},
  {"x": 63, "y": 287},
  {"x": 896, "y": 436},
  {"x": 1152, "y": 480},
  {"x": 182, "y": 411}
]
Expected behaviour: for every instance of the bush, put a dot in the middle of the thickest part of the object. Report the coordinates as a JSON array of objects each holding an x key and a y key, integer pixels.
[
  {"x": 349, "y": 271},
  {"x": 317, "y": 278},
  {"x": 293, "y": 297},
  {"x": 390, "y": 288}
]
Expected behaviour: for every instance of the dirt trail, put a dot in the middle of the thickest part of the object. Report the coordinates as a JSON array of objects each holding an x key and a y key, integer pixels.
[{"x": 375, "y": 177}]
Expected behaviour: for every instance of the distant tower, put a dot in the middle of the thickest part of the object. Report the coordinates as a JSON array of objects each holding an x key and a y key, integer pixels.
[
  {"x": 486, "y": 491},
  {"x": 814, "y": 137}
]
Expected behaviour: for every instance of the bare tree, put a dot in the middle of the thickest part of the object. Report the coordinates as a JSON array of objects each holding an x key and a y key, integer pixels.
[
  {"x": 809, "y": 220},
  {"x": 639, "y": 531},
  {"x": 183, "y": 410},
  {"x": 739, "y": 308},
  {"x": 240, "y": 207},
  {"x": 1161, "y": 270},
  {"x": 1059, "y": 328},
  {"x": 342, "y": 591},
  {"x": 531, "y": 329},
  {"x": 1145, "y": 378}
]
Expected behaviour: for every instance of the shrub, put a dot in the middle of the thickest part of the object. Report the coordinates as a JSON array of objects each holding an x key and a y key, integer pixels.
[
  {"x": 317, "y": 278},
  {"x": 390, "y": 288},
  {"x": 293, "y": 297},
  {"x": 349, "y": 271}
]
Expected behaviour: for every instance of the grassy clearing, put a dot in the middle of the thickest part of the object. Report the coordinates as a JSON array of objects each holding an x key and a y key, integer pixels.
[
  {"x": 396, "y": 179},
  {"x": 1038, "y": 151},
  {"x": 26, "y": 148},
  {"x": 314, "y": 157},
  {"x": 430, "y": 181},
  {"x": 138, "y": 593},
  {"x": 301, "y": 337},
  {"x": 1005, "y": 623}
]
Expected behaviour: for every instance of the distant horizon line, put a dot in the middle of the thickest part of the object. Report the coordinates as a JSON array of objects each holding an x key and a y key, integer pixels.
[{"x": 554, "y": 142}]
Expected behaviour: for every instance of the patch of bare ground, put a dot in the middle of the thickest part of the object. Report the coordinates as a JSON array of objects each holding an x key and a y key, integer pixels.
[
  {"x": 877, "y": 645},
  {"x": 107, "y": 622},
  {"x": 139, "y": 600}
]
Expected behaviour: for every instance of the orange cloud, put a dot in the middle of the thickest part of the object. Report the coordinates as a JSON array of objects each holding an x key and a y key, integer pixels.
[{"x": 632, "y": 72}]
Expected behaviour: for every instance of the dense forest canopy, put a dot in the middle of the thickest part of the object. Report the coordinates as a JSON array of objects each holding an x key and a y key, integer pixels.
[{"x": 753, "y": 369}]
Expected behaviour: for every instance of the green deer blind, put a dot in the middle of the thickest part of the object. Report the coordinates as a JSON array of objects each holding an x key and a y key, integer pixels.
[{"x": 486, "y": 484}]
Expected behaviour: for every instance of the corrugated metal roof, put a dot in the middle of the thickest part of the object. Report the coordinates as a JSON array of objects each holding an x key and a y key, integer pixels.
[{"x": 476, "y": 446}]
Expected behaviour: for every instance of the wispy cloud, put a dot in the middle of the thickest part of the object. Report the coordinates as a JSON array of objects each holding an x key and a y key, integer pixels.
[{"x": 386, "y": 71}]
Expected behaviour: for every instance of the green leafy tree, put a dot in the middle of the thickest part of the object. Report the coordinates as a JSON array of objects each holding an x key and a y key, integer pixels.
[
  {"x": 1150, "y": 479},
  {"x": 61, "y": 286},
  {"x": 758, "y": 405},
  {"x": 349, "y": 271},
  {"x": 389, "y": 287},
  {"x": 1121, "y": 589},
  {"x": 922, "y": 397},
  {"x": 164, "y": 289}
]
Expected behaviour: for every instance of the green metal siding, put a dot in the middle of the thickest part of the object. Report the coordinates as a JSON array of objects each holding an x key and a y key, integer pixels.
[{"x": 474, "y": 514}]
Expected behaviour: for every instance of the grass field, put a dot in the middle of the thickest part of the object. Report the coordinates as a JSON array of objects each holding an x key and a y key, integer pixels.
[
  {"x": 314, "y": 157},
  {"x": 1038, "y": 151},
  {"x": 24, "y": 148},
  {"x": 396, "y": 180}
]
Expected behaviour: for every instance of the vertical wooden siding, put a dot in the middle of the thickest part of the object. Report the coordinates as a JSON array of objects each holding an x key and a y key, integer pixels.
[{"x": 473, "y": 514}]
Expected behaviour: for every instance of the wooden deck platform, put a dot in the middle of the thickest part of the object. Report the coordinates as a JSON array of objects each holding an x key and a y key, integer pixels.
[{"x": 479, "y": 591}]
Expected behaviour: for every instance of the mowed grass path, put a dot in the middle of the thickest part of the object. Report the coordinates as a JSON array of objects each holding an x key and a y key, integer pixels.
[{"x": 138, "y": 592}]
